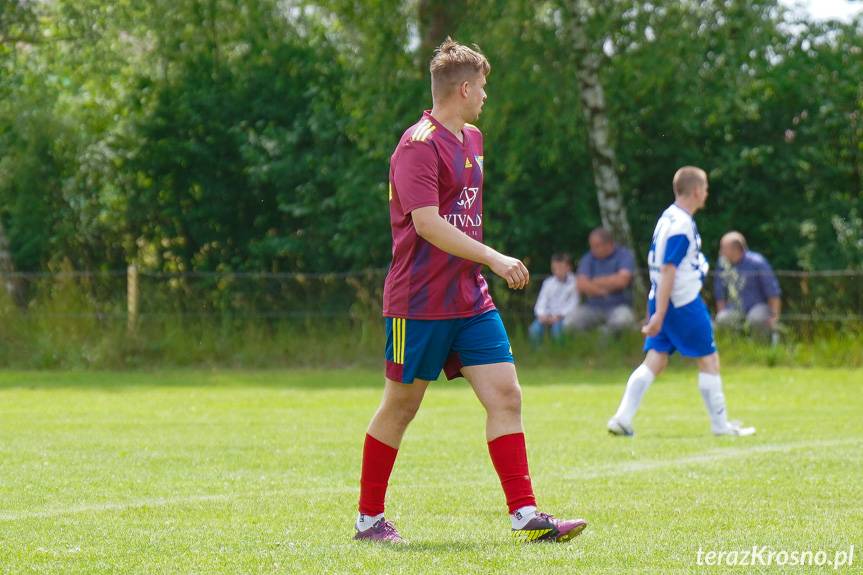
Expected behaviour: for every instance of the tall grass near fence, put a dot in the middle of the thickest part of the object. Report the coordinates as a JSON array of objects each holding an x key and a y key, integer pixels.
[
  {"x": 64, "y": 343},
  {"x": 81, "y": 321}
]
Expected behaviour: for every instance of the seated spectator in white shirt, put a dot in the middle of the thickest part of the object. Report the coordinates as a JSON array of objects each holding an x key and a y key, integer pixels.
[{"x": 557, "y": 300}]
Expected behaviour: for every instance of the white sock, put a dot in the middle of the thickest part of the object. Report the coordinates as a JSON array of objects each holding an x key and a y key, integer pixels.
[
  {"x": 636, "y": 387},
  {"x": 367, "y": 521},
  {"x": 710, "y": 387},
  {"x": 522, "y": 515}
]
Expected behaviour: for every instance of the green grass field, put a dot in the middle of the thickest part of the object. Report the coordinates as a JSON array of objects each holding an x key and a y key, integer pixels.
[{"x": 258, "y": 472}]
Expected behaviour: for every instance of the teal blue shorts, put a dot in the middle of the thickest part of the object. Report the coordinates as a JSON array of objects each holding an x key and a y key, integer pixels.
[
  {"x": 420, "y": 349},
  {"x": 686, "y": 329}
]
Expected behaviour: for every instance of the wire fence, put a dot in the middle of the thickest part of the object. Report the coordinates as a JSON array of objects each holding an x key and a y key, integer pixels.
[{"x": 133, "y": 295}]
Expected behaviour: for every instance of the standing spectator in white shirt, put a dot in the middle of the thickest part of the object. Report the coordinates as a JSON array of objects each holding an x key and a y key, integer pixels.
[{"x": 557, "y": 300}]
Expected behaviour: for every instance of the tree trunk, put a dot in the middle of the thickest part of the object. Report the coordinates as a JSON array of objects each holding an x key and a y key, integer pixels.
[
  {"x": 611, "y": 207},
  {"x": 437, "y": 21},
  {"x": 7, "y": 271}
]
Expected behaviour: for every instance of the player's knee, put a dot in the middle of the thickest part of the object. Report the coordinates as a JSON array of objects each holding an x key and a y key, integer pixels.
[
  {"x": 655, "y": 361},
  {"x": 399, "y": 411},
  {"x": 403, "y": 414},
  {"x": 509, "y": 398},
  {"x": 709, "y": 364}
]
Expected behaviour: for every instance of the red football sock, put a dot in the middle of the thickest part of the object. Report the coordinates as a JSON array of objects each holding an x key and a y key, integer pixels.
[
  {"x": 509, "y": 457},
  {"x": 378, "y": 461}
]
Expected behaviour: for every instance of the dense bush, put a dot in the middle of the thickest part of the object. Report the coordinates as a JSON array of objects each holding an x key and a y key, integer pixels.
[{"x": 219, "y": 137}]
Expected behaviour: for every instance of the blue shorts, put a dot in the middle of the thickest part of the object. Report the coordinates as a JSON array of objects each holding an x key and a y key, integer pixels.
[
  {"x": 686, "y": 329},
  {"x": 420, "y": 349}
]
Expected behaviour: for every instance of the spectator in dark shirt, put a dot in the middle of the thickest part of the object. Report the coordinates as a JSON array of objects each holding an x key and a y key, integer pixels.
[
  {"x": 746, "y": 290},
  {"x": 604, "y": 278}
]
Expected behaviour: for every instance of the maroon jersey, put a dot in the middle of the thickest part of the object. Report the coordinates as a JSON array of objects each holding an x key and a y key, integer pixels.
[{"x": 430, "y": 167}]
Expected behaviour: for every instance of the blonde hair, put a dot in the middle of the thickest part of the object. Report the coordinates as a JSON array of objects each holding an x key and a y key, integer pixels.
[
  {"x": 687, "y": 179},
  {"x": 453, "y": 64}
]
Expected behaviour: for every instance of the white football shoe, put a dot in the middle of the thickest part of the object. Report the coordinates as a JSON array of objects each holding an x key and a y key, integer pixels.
[
  {"x": 616, "y": 428},
  {"x": 734, "y": 428}
]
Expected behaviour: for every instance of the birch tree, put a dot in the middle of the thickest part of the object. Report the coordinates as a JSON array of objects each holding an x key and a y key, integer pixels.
[{"x": 586, "y": 65}]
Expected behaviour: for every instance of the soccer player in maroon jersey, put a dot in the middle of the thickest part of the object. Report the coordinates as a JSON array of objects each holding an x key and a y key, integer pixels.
[{"x": 439, "y": 314}]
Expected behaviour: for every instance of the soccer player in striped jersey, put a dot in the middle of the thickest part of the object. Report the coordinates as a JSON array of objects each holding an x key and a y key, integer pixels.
[
  {"x": 679, "y": 320},
  {"x": 439, "y": 314}
]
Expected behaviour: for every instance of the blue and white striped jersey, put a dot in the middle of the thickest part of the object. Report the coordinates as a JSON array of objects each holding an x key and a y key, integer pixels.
[{"x": 676, "y": 241}]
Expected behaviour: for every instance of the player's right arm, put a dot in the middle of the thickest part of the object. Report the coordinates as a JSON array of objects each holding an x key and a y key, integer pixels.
[
  {"x": 446, "y": 237},
  {"x": 667, "y": 252},
  {"x": 662, "y": 298}
]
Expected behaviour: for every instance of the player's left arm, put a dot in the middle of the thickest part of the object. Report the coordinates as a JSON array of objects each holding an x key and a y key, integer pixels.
[
  {"x": 662, "y": 298},
  {"x": 446, "y": 237}
]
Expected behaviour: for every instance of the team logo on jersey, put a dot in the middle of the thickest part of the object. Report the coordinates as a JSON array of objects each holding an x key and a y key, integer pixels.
[
  {"x": 467, "y": 197},
  {"x": 479, "y": 161}
]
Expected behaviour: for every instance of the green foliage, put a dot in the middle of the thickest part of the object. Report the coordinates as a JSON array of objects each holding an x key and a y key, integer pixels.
[
  {"x": 231, "y": 175},
  {"x": 538, "y": 181},
  {"x": 747, "y": 94},
  {"x": 215, "y": 136},
  {"x": 241, "y": 152},
  {"x": 36, "y": 212}
]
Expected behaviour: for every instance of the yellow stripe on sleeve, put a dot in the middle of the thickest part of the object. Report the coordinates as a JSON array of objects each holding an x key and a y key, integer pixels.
[{"x": 423, "y": 131}]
